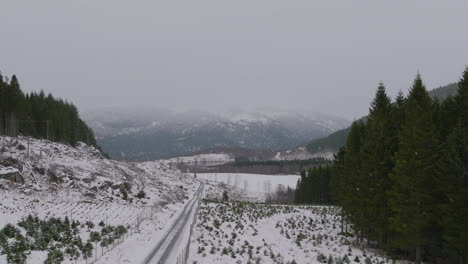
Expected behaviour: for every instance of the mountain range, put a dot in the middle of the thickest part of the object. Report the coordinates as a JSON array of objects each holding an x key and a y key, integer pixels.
[{"x": 147, "y": 134}]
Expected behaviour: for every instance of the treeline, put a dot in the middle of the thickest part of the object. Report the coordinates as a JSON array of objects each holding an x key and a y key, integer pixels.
[
  {"x": 281, "y": 163},
  {"x": 282, "y": 195},
  {"x": 402, "y": 177},
  {"x": 314, "y": 186},
  {"x": 269, "y": 167},
  {"x": 40, "y": 116}
]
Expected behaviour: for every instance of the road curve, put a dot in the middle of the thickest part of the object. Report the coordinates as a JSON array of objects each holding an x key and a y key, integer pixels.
[{"x": 162, "y": 251}]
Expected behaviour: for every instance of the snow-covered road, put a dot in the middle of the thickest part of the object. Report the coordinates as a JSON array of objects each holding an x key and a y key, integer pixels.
[{"x": 170, "y": 246}]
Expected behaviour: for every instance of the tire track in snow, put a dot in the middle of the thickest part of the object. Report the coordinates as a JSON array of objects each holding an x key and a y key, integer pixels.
[{"x": 164, "y": 248}]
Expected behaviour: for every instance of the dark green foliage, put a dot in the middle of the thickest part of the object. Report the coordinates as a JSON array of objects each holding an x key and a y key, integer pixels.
[
  {"x": 402, "y": 177},
  {"x": 336, "y": 140},
  {"x": 378, "y": 149},
  {"x": 452, "y": 186},
  {"x": 268, "y": 167},
  {"x": 225, "y": 196},
  {"x": 55, "y": 256},
  {"x": 141, "y": 194},
  {"x": 27, "y": 114},
  {"x": 280, "y": 163},
  {"x": 124, "y": 193},
  {"x": 60, "y": 237},
  {"x": 347, "y": 188},
  {"x": 314, "y": 186},
  {"x": 411, "y": 196},
  {"x": 321, "y": 258},
  {"x": 332, "y": 142},
  {"x": 87, "y": 250},
  {"x": 90, "y": 224}
]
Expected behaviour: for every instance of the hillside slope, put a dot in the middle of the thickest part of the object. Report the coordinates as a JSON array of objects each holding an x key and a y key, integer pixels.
[{"x": 48, "y": 182}]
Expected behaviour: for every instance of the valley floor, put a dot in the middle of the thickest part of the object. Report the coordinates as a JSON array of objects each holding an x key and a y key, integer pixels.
[
  {"x": 256, "y": 233},
  {"x": 146, "y": 224}
]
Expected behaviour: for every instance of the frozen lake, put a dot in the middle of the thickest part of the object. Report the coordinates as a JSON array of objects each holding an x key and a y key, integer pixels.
[{"x": 254, "y": 183}]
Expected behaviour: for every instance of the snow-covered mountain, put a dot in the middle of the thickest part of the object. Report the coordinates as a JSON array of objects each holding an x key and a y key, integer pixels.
[{"x": 146, "y": 134}]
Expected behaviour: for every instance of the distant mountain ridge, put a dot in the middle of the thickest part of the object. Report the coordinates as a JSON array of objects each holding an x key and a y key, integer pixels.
[
  {"x": 157, "y": 133},
  {"x": 444, "y": 92}
]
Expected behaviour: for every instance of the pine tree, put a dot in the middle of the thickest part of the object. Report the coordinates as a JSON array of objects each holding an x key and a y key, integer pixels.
[
  {"x": 411, "y": 196},
  {"x": 462, "y": 99},
  {"x": 351, "y": 197},
  {"x": 378, "y": 150},
  {"x": 16, "y": 97},
  {"x": 299, "y": 196},
  {"x": 452, "y": 183}
]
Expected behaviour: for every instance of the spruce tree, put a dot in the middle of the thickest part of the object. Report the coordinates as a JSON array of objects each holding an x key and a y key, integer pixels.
[
  {"x": 461, "y": 99},
  {"x": 16, "y": 98},
  {"x": 452, "y": 184},
  {"x": 338, "y": 170},
  {"x": 378, "y": 150},
  {"x": 411, "y": 196},
  {"x": 351, "y": 198}
]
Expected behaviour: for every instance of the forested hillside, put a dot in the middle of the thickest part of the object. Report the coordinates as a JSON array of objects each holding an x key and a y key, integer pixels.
[
  {"x": 268, "y": 167},
  {"x": 331, "y": 142},
  {"x": 336, "y": 140},
  {"x": 314, "y": 186},
  {"x": 402, "y": 177},
  {"x": 444, "y": 92},
  {"x": 40, "y": 116}
]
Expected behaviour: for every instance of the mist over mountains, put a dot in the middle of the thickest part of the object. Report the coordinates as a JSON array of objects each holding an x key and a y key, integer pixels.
[{"x": 145, "y": 134}]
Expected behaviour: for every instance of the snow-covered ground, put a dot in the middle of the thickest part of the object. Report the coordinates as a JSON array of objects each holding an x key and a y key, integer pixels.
[
  {"x": 53, "y": 180},
  {"x": 56, "y": 180},
  {"x": 254, "y": 184},
  {"x": 301, "y": 153},
  {"x": 255, "y": 233}
]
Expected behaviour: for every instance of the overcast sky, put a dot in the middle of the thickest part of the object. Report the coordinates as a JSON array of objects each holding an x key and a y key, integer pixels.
[{"x": 328, "y": 56}]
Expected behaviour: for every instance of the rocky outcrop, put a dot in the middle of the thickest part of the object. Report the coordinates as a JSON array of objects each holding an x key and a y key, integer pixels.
[
  {"x": 11, "y": 174},
  {"x": 11, "y": 162}
]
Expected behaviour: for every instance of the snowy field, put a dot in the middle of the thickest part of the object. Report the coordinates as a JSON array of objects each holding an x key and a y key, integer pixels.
[
  {"x": 254, "y": 184},
  {"x": 252, "y": 233},
  {"x": 146, "y": 224},
  {"x": 56, "y": 181}
]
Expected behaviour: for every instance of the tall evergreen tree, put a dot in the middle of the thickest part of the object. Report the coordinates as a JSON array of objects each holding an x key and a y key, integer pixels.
[
  {"x": 351, "y": 200},
  {"x": 422, "y": 207},
  {"x": 461, "y": 99},
  {"x": 411, "y": 196},
  {"x": 378, "y": 150},
  {"x": 40, "y": 116},
  {"x": 452, "y": 184}
]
